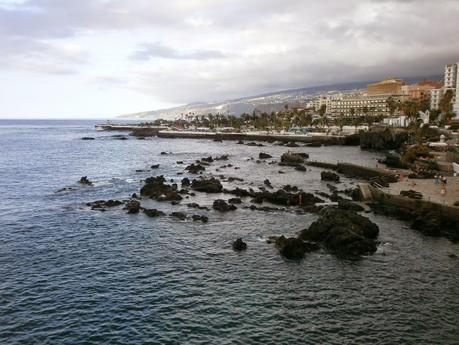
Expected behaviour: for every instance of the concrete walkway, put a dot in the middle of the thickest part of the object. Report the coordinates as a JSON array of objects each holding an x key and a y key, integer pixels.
[{"x": 429, "y": 190}]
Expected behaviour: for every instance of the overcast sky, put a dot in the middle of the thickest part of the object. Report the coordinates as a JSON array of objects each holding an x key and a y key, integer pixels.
[{"x": 101, "y": 58}]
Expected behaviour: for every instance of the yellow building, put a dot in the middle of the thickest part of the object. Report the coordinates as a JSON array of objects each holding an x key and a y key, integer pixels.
[{"x": 389, "y": 86}]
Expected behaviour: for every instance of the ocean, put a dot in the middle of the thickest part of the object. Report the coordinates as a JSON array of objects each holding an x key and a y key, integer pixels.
[{"x": 72, "y": 275}]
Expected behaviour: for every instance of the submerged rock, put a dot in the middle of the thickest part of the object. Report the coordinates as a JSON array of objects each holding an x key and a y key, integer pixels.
[
  {"x": 239, "y": 245},
  {"x": 178, "y": 215},
  {"x": 197, "y": 217},
  {"x": 155, "y": 166},
  {"x": 87, "y": 138},
  {"x": 186, "y": 182},
  {"x": 292, "y": 159},
  {"x": 222, "y": 206},
  {"x": 195, "y": 168},
  {"x": 235, "y": 201},
  {"x": 102, "y": 204},
  {"x": 153, "y": 212}
]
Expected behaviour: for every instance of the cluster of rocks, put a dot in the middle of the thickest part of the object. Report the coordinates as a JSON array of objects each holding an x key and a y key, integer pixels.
[
  {"x": 156, "y": 188},
  {"x": 293, "y": 158},
  {"x": 223, "y": 206},
  {"x": 85, "y": 181},
  {"x": 329, "y": 176},
  {"x": 211, "y": 185},
  {"x": 342, "y": 232},
  {"x": 102, "y": 205}
]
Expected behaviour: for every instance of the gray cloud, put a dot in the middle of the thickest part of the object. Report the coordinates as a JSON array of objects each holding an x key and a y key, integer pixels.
[
  {"x": 231, "y": 48},
  {"x": 158, "y": 50}
]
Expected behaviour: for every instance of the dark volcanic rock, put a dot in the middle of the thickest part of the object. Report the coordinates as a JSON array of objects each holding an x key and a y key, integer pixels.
[
  {"x": 155, "y": 188},
  {"x": 133, "y": 206},
  {"x": 87, "y": 138},
  {"x": 153, "y": 212},
  {"x": 292, "y": 144},
  {"x": 84, "y": 180},
  {"x": 197, "y": 217},
  {"x": 211, "y": 185},
  {"x": 300, "y": 168},
  {"x": 155, "y": 166},
  {"x": 195, "y": 168},
  {"x": 222, "y": 206},
  {"x": 290, "y": 158},
  {"x": 268, "y": 183},
  {"x": 101, "y": 204},
  {"x": 313, "y": 144},
  {"x": 343, "y": 232},
  {"x": 222, "y": 158},
  {"x": 294, "y": 247},
  {"x": 263, "y": 155},
  {"x": 186, "y": 182},
  {"x": 239, "y": 245},
  {"x": 178, "y": 215},
  {"x": 329, "y": 176},
  {"x": 235, "y": 201}
]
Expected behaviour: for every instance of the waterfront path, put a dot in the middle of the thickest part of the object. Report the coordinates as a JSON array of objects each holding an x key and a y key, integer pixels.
[{"x": 430, "y": 191}]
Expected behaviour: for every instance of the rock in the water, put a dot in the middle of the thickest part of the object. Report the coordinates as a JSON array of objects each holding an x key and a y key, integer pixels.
[
  {"x": 235, "y": 201},
  {"x": 294, "y": 247},
  {"x": 84, "y": 180},
  {"x": 195, "y": 168},
  {"x": 153, "y": 212},
  {"x": 290, "y": 158},
  {"x": 133, "y": 206},
  {"x": 155, "y": 166},
  {"x": 155, "y": 188},
  {"x": 186, "y": 182},
  {"x": 263, "y": 155},
  {"x": 197, "y": 217},
  {"x": 239, "y": 245},
  {"x": 101, "y": 204},
  {"x": 211, "y": 185},
  {"x": 343, "y": 232},
  {"x": 300, "y": 168},
  {"x": 222, "y": 158},
  {"x": 329, "y": 176},
  {"x": 222, "y": 206},
  {"x": 87, "y": 138},
  {"x": 178, "y": 215},
  {"x": 292, "y": 144},
  {"x": 268, "y": 183}
]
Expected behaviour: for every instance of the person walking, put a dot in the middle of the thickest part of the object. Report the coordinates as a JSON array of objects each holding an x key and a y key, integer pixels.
[{"x": 443, "y": 182}]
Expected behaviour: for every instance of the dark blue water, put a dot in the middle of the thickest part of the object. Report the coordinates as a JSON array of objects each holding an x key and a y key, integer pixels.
[{"x": 69, "y": 275}]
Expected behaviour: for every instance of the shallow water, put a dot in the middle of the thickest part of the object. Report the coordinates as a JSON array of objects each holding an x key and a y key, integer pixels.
[{"x": 70, "y": 275}]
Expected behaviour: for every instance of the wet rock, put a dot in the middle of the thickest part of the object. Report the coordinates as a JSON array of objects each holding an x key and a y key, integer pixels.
[
  {"x": 134, "y": 196},
  {"x": 155, "y": 166},
  {"x": 87, "y": 138},
  {"x": 290, "y": 158},
  {"x": 268, "y": 183},
  {"x": 195, "y": 205},
  {"x": 101, "y": 204},
  {"x": 239, "y": 245},
  {"x": 240, "y": 142},
  {"x": 349, "y": 205},
  {"x": 235, "y": 201},
  {"x": 294, "y": 247},
  {"x": 329, "y": 176},
  {"x": 85, "y": 181},
  {"x": 186, "y": 182},
  {"x": 231, "y": 179},
  {"x": 133, "y": 206},
  {"x": 252, "y": 143},
  {"x": 201, "y": 218},
  {"x": 153, "y": 213},
  {"x": 207, "y": 159},
  {"x": 300, "y": 168},
  {"x": 178, "y": 215},
  {"x": 156, "y": 188},
  {"x": 263, "y": 155},
  {"x": 222, "y": 206},
  {"x": 211, "y": 185},
  {"x": 222, "y": 158},
  {"x": 163, "y": 153},
  {"x": 292, "y": 144},
  {"x": 343, "y": 232},
  {"x": 313, "y": 144},
  {"x": 179, "y": 162},
  {"x": 195, "y": 168},
  {"x": 281, "y": 172}
]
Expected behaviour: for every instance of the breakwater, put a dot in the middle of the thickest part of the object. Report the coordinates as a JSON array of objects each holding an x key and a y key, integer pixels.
[{"x": 354, "y": 170}]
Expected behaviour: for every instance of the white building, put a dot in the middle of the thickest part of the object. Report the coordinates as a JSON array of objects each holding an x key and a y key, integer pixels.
[
  {"x": 399, "y": 121},
  {"x": 435, "y": 97},
  {"x": 456, "y": 96},
  {"x": 450, "y": 76}
]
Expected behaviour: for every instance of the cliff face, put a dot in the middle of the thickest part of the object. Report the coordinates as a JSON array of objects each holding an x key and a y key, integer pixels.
[{"x": 383, "y": 139}]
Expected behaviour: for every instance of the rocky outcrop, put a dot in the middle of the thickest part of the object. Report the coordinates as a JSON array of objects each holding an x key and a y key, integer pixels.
[
  {"x": 235, "y": 201},
  {"x": 211, "y": 185},
  {"x": 349, "y": 205},
  {"x": 292, "y": 159},
  {"x": 153, "y": 213},
  {"x": 393, "y": 160},
  {"x": 383, "y": 139},
  {"x": 155, "y": 166},
  {"x": 329, "y": 176},
  {"x": 343, "y": 232},
  {"x": 195, "y": 168},
  {"x": 133, "y": 206},
  {"x": 197, "y": 218},
  {"x": 186, "y": 182},
  {"x": 239, "y": 245},
  {"x": 155, "y": 188},
  {"x": 263, "y": 155},
  {"x": 178, "y": 215},
  {"x": 294, "y": 247},
  {"x": 101, "y": 205},
  {"x": 85, "y": 181},
  {"x": 223, "y": 206}
]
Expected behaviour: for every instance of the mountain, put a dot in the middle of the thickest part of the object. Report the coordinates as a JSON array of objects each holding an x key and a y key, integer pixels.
[{"x": 267, "y": 102}]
